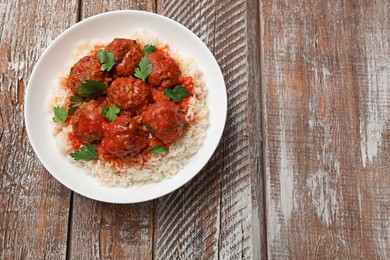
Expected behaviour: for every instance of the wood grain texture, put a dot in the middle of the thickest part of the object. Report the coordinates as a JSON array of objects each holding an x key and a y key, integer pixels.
[
  {"x": 90, "y": 8},
  {"x": 255, "y": 130},
  {"x": 326, "y": 67},
  {"x": 109, "y": 231},
  {"x": 218, "y": 214},
  {"x": 34, "y": 207},
  {"x": 326, "y": 90}
]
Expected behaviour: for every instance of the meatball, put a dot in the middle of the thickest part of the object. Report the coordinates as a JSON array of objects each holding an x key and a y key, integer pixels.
[
  {"x": 127, "y": 54},
  {"x": 86, "y": 68},
  {"x": 165, "y": 72},
  {"x": 165, "y": 120},
  {"x": 128, "y": 93},
  {"x": 124, "y": 137},
  {"x": 87, "y": 122}
]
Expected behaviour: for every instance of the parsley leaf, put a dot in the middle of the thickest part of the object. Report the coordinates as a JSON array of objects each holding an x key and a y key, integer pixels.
[
  {"x": 186, "y": 125},
  {"x": 72, "y": 109},
  {"x": 177, "y": 94},
  {"x": 91, "y": 88},
  {"x": 77, "y": 99},
  {"x": 157, "y": 149},
  {"x": 148, "y": 49},
  {"x": 106, "y": 60},
  {"x": 86, "y": 153},
  {"x": 59, "y": 114},
  {"x": 75, "y": 102},
  {"x": 144, "y": 69},
  {"x": 111, "y": 112}
]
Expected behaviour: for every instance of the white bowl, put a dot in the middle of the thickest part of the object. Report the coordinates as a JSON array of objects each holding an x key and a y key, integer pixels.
[{"x": 105, "y": 27}]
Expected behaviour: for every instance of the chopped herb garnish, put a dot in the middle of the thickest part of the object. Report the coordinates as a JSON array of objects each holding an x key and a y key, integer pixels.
[
  {"x": 77, "y": 99},
  {"x": 86, "y": 153},
  {"x": 148, "y": 49},
  {"x": 106, "y": 60},
  {"x": 59, "y": 114},
  {"x": 144, "y": 69},
  {"x": 177, "y": 94},
  {"x": 186, "y": 124},
  {"x": 75, "y": 102},
  {"x": 157, "y": 149},
  {"x": 72, "y": 109},
  {"x": 91, "y": 88},
  {"x": 111, "y": 112}
]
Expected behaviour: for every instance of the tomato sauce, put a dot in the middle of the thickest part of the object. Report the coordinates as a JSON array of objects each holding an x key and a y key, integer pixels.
[
  {"x": 74, "y": 141},
  {"x": 132, "y": 116}
]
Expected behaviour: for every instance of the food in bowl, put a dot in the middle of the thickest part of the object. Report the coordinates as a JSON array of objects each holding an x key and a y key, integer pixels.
[{"x": 131, "y": 111}]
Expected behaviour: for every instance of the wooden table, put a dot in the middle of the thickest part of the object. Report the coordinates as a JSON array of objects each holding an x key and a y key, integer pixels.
[{"x": 303, "y": 168}]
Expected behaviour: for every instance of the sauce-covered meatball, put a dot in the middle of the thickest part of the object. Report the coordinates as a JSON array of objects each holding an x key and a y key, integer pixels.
[
  {"x": 87, "y": 68},
  {"x": 87, "y": 122},
  {"x": 165, "y": 120},
  {"x": 128, "y": 93},
  {"x": 165, "y": 72},
  {"x": 127, "y": 54},
  {"x": 124, "y": 137}
]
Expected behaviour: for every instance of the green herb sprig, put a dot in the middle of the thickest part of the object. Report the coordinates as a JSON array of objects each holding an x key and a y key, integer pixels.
[
  {"x": 106, "y": 60},
  {"x": 148, "y": 49},
  {"x": 144, "y": 69},
  {"x": 59, "y": 114},
  {"x": 111, "y": 112},
  {"x": 75, "y": 102},
  {"x": 91, "y": 88},
  {"x": 86, "y": 153},
  {"x": 177, "y": 94},
  {"x": 157, "y": 149}
]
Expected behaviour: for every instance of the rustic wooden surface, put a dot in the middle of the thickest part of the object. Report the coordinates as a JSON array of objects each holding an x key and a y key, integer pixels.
[
  {"x": 32, "y": 226},
  {"x": 302, "y": 170},
  {"x": 326, "y": 83}
]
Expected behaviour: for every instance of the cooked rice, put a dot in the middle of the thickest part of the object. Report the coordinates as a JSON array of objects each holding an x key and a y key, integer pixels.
[{"x": 159, "y": 166}]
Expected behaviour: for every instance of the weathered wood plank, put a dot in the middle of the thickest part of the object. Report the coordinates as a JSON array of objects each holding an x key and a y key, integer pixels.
[
  {"x": 255, "y": 131},
  {"x": 34, "y": 207},
  {"x": 188, "y": 220},
  {"x": 327, "y": 97},
  {"x": 214, "y": 215},
  {"x": 90, "y": 8},
  {"x": 108, "y": 231}
]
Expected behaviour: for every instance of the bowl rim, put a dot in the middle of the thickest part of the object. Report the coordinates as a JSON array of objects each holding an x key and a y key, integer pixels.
[{"x": 34, "y": 74}]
